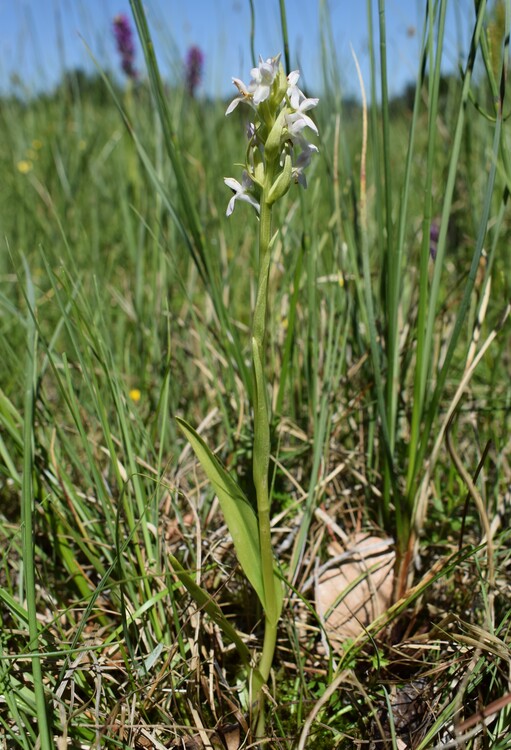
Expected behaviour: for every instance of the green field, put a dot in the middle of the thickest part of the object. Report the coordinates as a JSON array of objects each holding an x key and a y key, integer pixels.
[{"x": 128, "y": 299}]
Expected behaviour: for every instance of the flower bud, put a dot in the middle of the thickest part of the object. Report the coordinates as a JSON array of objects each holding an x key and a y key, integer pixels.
[
  {"x": 259, "y": 174},
  {"x": 272, "y": 145},
  {"x": 279, "y": 88},
  {"x": 282, "y": 183}
]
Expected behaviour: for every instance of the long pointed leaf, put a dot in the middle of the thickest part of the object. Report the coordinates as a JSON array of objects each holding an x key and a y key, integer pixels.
[
  {"x": 239, "y": 514},
  {"x": 209, "y": 605}
]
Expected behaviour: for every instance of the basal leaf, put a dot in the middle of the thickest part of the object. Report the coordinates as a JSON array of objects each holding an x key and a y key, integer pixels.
[
  {"x": 239, "y": 514},
  {"x": 209, "y": 605}
]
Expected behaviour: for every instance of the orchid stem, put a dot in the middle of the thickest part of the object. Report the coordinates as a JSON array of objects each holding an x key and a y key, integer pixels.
[{"x": 262, "y": 449}]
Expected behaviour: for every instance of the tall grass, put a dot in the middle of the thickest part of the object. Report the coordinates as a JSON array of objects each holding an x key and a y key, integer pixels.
[{"x": 124, "y": 304}]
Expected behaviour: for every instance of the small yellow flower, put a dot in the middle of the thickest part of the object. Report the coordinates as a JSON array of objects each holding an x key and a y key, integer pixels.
[
  {"x": 37, "y": 144},
  {"x": 135, "y": 394},
  {"x": 24, "y": 166},
  {"x": 340, "y": 279},
  {"x": 82, "y": 144}
]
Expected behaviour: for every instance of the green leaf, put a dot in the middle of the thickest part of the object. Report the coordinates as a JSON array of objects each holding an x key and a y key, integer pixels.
[
  {"x": 209, "y": 605},
  {"x": 272, "y": 583},
  {"x": 239, "y": 514}
]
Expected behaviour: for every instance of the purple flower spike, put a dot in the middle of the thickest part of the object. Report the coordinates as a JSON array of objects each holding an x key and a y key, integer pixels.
[
  {"x": 125, "y": 45},
  {"x": 193, "y": 69},
  {"x": 434, "y": 234}
]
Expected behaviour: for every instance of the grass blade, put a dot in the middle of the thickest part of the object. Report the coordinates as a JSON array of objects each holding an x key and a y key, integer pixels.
[{"x": 27, "y": 500}]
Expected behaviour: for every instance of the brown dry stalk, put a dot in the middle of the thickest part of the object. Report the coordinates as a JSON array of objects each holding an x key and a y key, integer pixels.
[
  {"x": 492, "y": 708},
  {"x": 483, "y": 515}
]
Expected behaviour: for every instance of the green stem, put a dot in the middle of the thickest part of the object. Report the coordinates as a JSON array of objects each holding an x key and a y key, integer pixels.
[
  {"x": 45, "y": 739},
  {"x": 285, "y": 37},
  {"x": 261, "y": 457}
]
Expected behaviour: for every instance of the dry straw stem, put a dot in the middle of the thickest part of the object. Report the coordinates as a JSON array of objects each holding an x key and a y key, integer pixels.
[
  {"x": 486, "y": 714},
  {"x": 483, "y": 515},
  {"x": 318, "y": 706},
  {"x": 363, "y": 154}
]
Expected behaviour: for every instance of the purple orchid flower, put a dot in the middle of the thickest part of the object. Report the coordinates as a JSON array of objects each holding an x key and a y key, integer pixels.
[
  {"x": 125, "y": 45},
  {"x": 193, "y": 69}
]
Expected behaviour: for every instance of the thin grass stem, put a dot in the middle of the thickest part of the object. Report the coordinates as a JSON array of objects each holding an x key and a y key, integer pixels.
[{"x": 27, "y": 519}]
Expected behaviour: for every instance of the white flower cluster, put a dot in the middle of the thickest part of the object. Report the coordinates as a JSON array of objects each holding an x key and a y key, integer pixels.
[{"x": 277, "y": 143}]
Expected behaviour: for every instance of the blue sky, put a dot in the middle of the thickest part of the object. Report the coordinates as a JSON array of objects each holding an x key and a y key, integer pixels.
[{"x": 39, "y": 38}]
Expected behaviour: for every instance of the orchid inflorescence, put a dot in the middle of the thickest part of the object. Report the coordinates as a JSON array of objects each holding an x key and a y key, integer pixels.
[
  {"x": 277, "y": 146},
  {"x": 194, "y": 65},
  {"x": 125, "y": 45}
]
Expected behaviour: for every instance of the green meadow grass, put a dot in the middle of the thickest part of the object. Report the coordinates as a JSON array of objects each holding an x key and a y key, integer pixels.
[{"x": 125, "y": 302}]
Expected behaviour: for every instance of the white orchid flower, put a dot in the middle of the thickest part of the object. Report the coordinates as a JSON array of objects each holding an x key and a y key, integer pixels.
[
  {"x": 298, "y": 120},
  {"x": 295, "y": 95},
  {"x": 245, "y": 96},
  {"x": 263, "y": 77},
  {"x": 241, "y": 192},
  {"x": 302, "y": 161}
]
